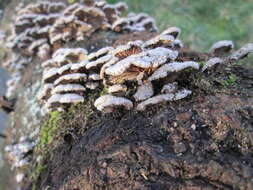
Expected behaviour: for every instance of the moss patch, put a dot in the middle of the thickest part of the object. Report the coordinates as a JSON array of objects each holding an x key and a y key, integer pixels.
[
  {"x": 230, "y": 81},
  {"x": 48, "y": 132},
  {"x": 35, "y": 175}
]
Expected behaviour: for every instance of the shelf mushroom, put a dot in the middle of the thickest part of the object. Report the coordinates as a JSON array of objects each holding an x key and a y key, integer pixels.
[
  {"x": 107, "y": 103},
  {"x": 31, "y": 29},
  {"x": 222, "y": 47}
]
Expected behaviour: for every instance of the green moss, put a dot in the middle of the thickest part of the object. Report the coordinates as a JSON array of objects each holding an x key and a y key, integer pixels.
[
  {"x": 202, "y": 64},
  {"x": 48, "y": 131},
  {"x": 104, "y": 91},
  {"x": 78, "y": 117},
  {"x": 39, "y": 169},
  {"x": 71, "y": 1},
  {"x": 230, "y": 81}
]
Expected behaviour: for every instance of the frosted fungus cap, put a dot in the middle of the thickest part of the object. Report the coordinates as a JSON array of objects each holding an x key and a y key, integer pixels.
[
  {"x": 107, "y": 103},
  {"x": 163, "y": 98},
  {"x": 222, "y": 47},
  {"x": 173, "y": 31},
  {"x": 166, "y": 69},
  {"x": 211, "y": 63}
]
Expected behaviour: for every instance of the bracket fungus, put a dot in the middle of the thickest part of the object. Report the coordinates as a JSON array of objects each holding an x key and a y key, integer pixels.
[
  {"x": 134, "y": 67},
  {"x": 222, "y": 47},
  {"x": 63, "y": 85},
  {"x": 170, "y": 88},
  {"x": 211, "y": 63},
  {"x": 58, "y": 100},
  {"x": 144, "y": 61},
  {"x": 31, "y": 29},
  {"x": 163, "y": 98},
  {"x": 144, "y": 92},
  {"x": 135, "y": 22},
  {"x": 66, "y": 77},
  {"x": 112, "y": 11},
  {"x": 43, "y": 27},
  {"x": 106, "y": 103},
  {"x": 18, "y": 153},
  {"x": 117, "y": 88},
  {"x": 242, "y": 52},
  {"x": 166, "y": 69},
  {"x": 159, "y": 41},
  {"x": 173, "y": 31},
  {"x": 129, "y": 72},
  {"x": 78, "y": 20}
]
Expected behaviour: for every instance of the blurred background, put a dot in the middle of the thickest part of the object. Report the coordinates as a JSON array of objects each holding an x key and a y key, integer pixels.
[{"x": 203, "y": 22}]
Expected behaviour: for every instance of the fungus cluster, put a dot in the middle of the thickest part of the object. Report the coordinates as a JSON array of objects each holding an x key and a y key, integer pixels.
[
  {"x": 32, "y": 25},
  {"x": 140, "y": 74},
  {"x": 15, "y": 66},
  {"x": 70, "y": 75},
  {"x": 40, "y": 26},
  {"x": 219, "y": 52},
  {"x": 79, "y": 21},
  {"x": 134, "y": 22},
  {"x": 20, "y": 155},
  {"x": 133, "y": 70}
]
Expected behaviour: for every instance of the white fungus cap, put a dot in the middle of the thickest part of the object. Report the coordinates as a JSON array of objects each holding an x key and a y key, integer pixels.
[
  {"x": 173, "y": 31},
  {"x": 107, "y": 65},
  {"x": 117, "y": 88},
  {"x": 92, "y": 85},
  {"x": 128, "y": 46},
  {"x": 63, "y": 53},
  {"x": 100, "y": 61},
  {"x": 79, "y": 66},
  {"x": 144, "y": 92},
  {"x": 66, "y": 88},
  {"x": 20, "y": 177},
  {"x": 170, "y": 88},
  {"x": 148, "y": 59},
  {"x": 212, "y": 62},
  {"x": 163, "y": 98},
  {"x": 94, "y": 77},
  {"x": 65, "y": 68},
  {"x": 64, "y": 99},
  {"x": 164, "y": 70},
  {"x": 48, "y": 75},
  {"x": 74, "y": 77},
  {"x": 106, "y": 103},
  {"x": 49, "y": 63},
  {"x": 100, "y": 53},
  {"x": 160, "y": 39},
  {"x": 134, "y": 22},
  {"x": 242, "y": 52},
  {"x": 177, "y": 43},
  {"x": 45, "y": 91},
  {"x": 222, "y": 47}
]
